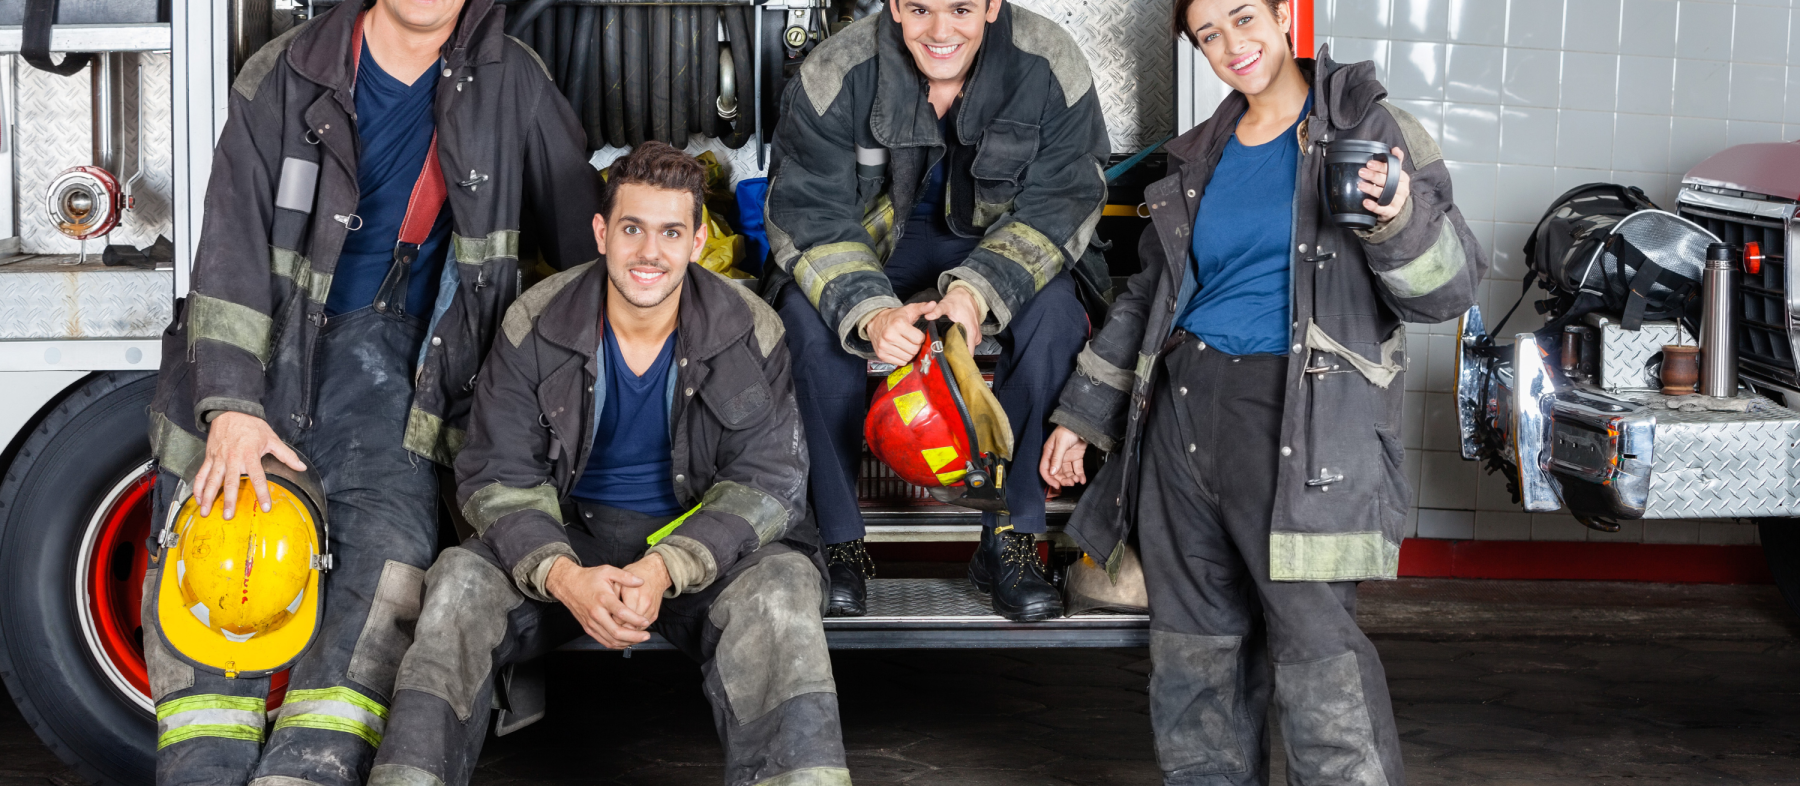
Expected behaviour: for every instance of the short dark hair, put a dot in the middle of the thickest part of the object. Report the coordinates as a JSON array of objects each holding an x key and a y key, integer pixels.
[
  {"x": 658, "y": 165},
  {"x": 1181, "y": 28}
]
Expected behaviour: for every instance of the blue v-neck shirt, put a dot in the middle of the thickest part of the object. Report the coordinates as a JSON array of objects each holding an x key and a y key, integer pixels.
[
  {"x": 1240, "y": 250},
  {"x": 631, "y": 465}
]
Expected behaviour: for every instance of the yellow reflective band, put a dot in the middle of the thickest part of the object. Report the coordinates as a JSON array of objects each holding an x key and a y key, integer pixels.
[
  {"x": 937, "y": 458},
  {"x": 497, "y": 501},
  {"x": 339, "y": 693},
  {"x": 820, "y": 266},
  {"x": 909, "y": 405},
  {"x": 657, "y": 536},
  {"x": 231, "y": 324},
  {"x": 210, "y": 701},
  {"x": 898, "y": 374},
  {"x": 230, "y": 731},
  {"x": 1028, "y": 248},
  {"x": 948, "y": 478},
  {"x": 332, "y": 723}
]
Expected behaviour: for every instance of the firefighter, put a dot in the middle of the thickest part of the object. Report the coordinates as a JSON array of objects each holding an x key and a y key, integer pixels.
[
  {"x": 362, "y": 238},
  {"x": 1248, "y": 388},
  {"x": 943, "y": 159},
  {"x": 634, "y": 464}
]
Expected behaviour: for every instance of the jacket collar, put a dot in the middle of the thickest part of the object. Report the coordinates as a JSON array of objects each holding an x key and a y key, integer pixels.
[
  {"x": 902, "y": 115},
  {"x": 1342, "y": 96},
  {"x": 321, "y": 53},
  {"x": 712, "y": 317}
]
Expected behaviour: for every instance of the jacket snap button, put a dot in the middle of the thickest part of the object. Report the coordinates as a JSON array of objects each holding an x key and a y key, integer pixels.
[
  {"x": 437, "y": 341},
  {"x": 680, "y": 478},
  {"x": 1192, "y": 447},
  {"x": 684, "y": 362},
  {"x": 690, "y": 391},
  {"x": 1190, "y": 193},
  {"x": 1302, "y": 248},
  {"x": 1297, "y": 349},
  {"x": 1184, "y": 391},
  {"x": 446, "y": 72},
  {"x": 1200, "y": 345},
  {"x": 1287, "y": 451}
]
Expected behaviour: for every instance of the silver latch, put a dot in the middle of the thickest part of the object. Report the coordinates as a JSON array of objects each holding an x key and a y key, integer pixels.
[
  {"x": 321, "y": 562},
  {"x": 1325, "y": 479}
]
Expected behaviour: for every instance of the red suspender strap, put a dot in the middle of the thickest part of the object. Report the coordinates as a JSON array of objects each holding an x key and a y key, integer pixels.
[{"x": 427, "y": 199}]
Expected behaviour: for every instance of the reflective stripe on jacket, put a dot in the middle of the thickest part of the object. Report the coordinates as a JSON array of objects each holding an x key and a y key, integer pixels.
[
  {"x": 283, "y": 196},
  {"x": 1342, "y": 494}
]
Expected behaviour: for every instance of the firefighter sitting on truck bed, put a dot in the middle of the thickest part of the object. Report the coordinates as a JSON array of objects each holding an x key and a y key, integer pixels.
[
  {"x": 340, "y": 306},
  {"x": 635, "y": 457},
  {"x": 948, "y": 153},
  {"x": 1268, "y": 427}
]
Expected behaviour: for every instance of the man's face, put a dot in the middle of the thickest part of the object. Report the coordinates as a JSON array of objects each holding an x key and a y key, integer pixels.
[
  {"x": 943, "y": 35},
  {"x": 648, "y": 239},
  {"x": 423, "y": 15},
  {"x": 1244, "y": 41}
]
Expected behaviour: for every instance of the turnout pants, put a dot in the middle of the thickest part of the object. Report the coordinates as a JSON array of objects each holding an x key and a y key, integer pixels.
[
  {"x": 1223, "y": 637},
  {"x": 757, "y": 633},
  {"x": 381, "y": 510},
  {"x": 1037, "y": 356}
]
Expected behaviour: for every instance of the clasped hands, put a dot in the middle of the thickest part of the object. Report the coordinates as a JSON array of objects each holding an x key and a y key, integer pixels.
[
  {"x": 614, "y": 605},
  {"x": 896, "y": 339}
]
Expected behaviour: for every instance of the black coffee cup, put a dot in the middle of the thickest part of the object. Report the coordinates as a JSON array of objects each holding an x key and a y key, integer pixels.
[{"x": 1342, "y": 185}]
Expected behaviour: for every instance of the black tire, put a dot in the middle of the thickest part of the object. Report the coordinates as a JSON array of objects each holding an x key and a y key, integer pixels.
[
  {"x": 637, "y": 82},
  {"x": 612, "y": 74},
  {"x": 707, "y": 112},
  {"x": 1781, "y": 548},
  {"x": 659, "y": 75},
  {"x": 92, "y": 439}
]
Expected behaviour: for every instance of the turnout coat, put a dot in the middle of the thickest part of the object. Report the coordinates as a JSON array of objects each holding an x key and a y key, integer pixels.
[
  {"x": 1342, "y": 494},
  {"x": 283, "y": 197}
]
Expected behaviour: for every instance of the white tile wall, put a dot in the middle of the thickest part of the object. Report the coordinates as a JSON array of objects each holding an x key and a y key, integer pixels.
[{"x": 1529, "y": 98}]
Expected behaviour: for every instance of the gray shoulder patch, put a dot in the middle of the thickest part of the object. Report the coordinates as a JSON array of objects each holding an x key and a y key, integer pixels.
[
  {"x": 1038, "y": 35},
  {"x": 535, "y": 58},
  {"x": 823, "y": 73},
  {"x": 766, "y": 323},
  {"x": 257, "y": 68},
  {"x": 522, "y": 315},
  {"x": 1419, "y": 144}
]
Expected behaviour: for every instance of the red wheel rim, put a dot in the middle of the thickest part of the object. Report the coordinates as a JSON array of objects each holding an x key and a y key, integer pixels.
[{"x": 115, "y": 563}]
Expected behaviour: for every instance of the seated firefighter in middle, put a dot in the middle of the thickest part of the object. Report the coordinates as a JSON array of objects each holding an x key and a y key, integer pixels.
[{"x": 634, "y": 464}]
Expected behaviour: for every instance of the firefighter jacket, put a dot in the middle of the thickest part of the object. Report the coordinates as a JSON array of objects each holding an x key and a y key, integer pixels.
[
  {"x": 283, "y": 197},
  {"x": 738, "y": 457},
  {"x": 859, "y": 137},
  {"x": 1341, "y": 494}
]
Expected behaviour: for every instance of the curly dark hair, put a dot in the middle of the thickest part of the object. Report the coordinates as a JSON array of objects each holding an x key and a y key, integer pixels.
[
  {"x": 658, "y": 165},
  {"x": 1179, "y": 21}
]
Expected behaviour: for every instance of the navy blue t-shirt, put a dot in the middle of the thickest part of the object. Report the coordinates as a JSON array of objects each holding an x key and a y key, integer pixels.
[
  {"x": 1240, "y": 249},
  {"x": 394, "y": 123},
  {"x": 631, "y": 464}
]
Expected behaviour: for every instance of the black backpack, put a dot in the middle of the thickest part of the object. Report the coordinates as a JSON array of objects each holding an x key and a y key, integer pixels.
[{"x": 1607, "y": 247}]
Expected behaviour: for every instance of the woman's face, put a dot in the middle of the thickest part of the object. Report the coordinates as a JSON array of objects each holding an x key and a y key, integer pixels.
[{"x": 1245, "y": 42}]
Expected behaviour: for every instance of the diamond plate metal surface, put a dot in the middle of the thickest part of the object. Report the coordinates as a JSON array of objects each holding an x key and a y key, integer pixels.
[
  {"x": 914, "y": 598},
  {"x": 1133, "y": 61},
  {"x": 1723, "y": 464},
  {"x": 46, "y": 298},
  {"x": 1625, "y": 353},
  {"x": 55, "y": 132}
]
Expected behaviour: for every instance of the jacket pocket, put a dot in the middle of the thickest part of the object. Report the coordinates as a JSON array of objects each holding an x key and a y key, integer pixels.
[
  {"x": 1398, "y": 493},
  {"x": 1007, "y": 149},
  {"x": 735, "y": 391},
  {"x": 560, "y": 408}
]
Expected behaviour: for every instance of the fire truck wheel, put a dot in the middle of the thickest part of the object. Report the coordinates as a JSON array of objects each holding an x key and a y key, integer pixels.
[
  {"x": 1781, "y": 547},
  {"x": 74, "y": 516}
]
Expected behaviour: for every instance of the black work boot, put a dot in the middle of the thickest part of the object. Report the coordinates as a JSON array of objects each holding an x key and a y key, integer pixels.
[
  {"x": 1006, "y": 564},
  {"x": 849, "y": 568}
]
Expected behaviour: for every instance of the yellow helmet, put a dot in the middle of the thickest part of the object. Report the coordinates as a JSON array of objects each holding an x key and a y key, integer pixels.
[{"x": 241, "y": 596}]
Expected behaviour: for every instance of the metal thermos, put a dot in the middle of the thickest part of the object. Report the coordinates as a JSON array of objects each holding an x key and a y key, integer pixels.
[{"x": 1718, "y": 323}]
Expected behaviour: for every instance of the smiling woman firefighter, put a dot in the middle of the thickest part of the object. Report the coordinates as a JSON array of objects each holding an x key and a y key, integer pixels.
[{"x": 1248, "y": 387}]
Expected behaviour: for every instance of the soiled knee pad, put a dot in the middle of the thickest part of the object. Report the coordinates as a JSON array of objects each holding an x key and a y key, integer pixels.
[
  {"x": 401, "y": 775},
  {"x": 772, "y": 637},
  {"x": 1195, "y": 708},
  {"x": 388, "y": 630},
  {"x": 463, "y": 619},
  {"x": 1325, "y": 722}
]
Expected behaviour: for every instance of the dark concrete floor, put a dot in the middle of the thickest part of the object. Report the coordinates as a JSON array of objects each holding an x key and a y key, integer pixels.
[{"x": 1494, "y": 683}]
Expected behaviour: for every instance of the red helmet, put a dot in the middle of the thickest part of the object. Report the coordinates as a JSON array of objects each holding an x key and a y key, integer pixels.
[{"x": 936, "y": 432}]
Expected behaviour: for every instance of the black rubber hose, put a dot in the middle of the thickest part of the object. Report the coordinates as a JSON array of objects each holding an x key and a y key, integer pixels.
[
  {"x": 527, "y": 36},
  {"x": 691, "y": 84},
  {"x": 707, "y": 113},
  {"x": 659, "y": 73},
  {"x": 546, "y": 42},
  {"x": 612, "y": 74},
  {"x": 565, "y": 44},
  {"x": 680, "y": 43},
  {"x": 593, "y": 115},
  {"x": 637, "y": 82},
  {"x": 774, "y": 63},
  {"x": 737, "y": 28},
  {"x": 581, "y": 63},
  {"x": 527, "y": 12}
]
